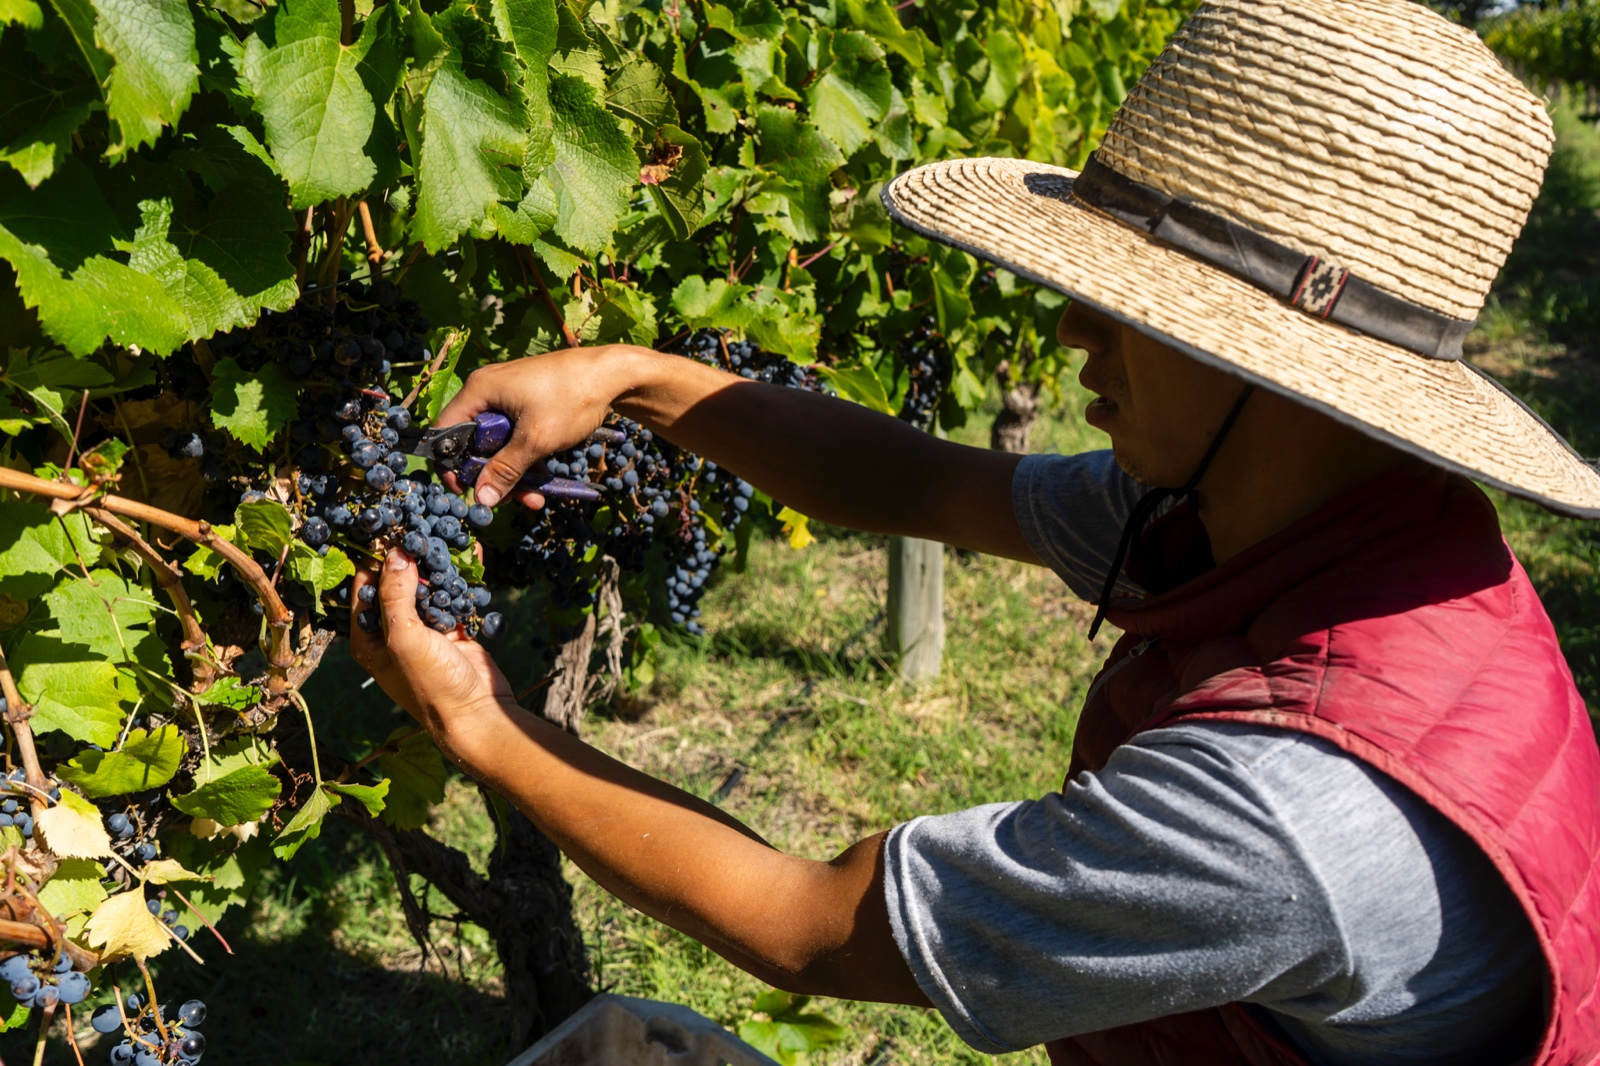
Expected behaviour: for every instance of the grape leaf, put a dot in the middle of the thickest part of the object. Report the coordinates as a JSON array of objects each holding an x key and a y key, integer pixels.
[
  {"x": 595, "y": 168},
  {"x": 156, "y": 66},
  {"x": 799, "y": 154},
  {"x": 264, "y": 526},
  {"x": 242, "y": 234},
  {"x": 230, "y": 692},
  {"x": 369, "y": 796},
  {"x": 168, "y": 871},
  {"x": 24, "y": 13},
  {"x": 78, "y": 696},
  {"x": 204, "y": 562},
  {"x": 146, "y": 760},
  {"x": 859, "y": 383},
  {"x": 252, "y": 405},
  {"x": 306, "y": 824},
  {"x": 235, "y": 798},
  {"x": 853, "y": 94},
  {"x": 39, "y": 112},
  {"x": 35, "y": 545},
  {"x": 474, "y": 136},
  {"x": 680, "y": 195},
  {"x": 98, "y": 610},
  {"x": 319, "y": 573},
  {"x": 638, "y": 93},
  {"x": 705, "y": 305},
  {"x": 78, "y": 16},
  {"x": 53, "y": 236},
  {"x": 797, "y": 527},
  {"x": 231, "y": 874},
  {"x": 235, "y": 755},
  {"x": 72, "y": 828},
  {"x": 416, "y": 777},
  {"x": 74, "y": 887},
  {"x": 124, "y": 926},
  {"x": 308, "y": 90}
]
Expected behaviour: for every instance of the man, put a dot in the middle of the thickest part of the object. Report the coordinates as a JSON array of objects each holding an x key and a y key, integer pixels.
[{"x": 1334, "y": 797}]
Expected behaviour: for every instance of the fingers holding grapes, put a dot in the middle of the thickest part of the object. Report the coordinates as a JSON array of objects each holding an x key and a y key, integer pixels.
[
  {"x": 553, "y": 400},
  {"x": 444, "y": 679}
]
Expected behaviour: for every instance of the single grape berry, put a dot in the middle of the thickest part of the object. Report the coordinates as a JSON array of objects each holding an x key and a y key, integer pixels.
[
  {"x": 73, "y": 987},
  {"x": 315, "y": 532},
  {"x": 145, "y": 852},
  {"x": 480, "y": 515},
  {"x": 106, "y": 1019},
  {"x": 380, "y": 477},
  {"x": 399, "y": 418},
  {"x": 153, "y": 906},
  {"x": 368, "y": 594},
  {"x": 181, "y": 932},
  {"x": 369, "y": 620},
  {"x": 193, "y": 1013},
  {"x": 193, "y": 1046},
  {"x": 492, "y": 625}
]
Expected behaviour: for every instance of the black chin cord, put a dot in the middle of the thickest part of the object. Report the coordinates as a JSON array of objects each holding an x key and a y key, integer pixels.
[{"x": 1150, "y": 501}]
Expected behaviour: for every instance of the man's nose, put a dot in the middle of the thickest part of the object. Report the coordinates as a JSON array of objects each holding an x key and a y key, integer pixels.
[{"x": 1083, "y": 327}]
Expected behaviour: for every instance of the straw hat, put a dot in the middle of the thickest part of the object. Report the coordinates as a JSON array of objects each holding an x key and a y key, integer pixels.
[{"x": 1314, "y": 196}]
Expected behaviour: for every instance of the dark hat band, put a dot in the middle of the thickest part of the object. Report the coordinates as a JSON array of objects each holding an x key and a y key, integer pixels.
[{"x": 1312, "y": 284}]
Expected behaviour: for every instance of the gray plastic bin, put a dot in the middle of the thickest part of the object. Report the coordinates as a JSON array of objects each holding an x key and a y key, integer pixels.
[{"x": 624, "y": 1031}]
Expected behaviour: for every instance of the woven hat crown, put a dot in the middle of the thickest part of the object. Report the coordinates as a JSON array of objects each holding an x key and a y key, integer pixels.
[{"x": 1371, "y": 133}]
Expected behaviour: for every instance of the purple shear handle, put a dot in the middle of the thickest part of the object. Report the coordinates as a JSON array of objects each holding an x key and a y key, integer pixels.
[
  {"x": 494, "y": 429},
  {"x": 555, "y": 488}
]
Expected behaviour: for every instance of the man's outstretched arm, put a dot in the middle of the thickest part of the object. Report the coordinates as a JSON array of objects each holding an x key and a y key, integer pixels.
[
  {"x": 809, "y": 926},
  {"x": 827, "y": 458}
]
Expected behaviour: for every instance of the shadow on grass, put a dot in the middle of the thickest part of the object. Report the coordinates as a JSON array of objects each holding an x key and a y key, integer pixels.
[{"x": 296, "y": 993}]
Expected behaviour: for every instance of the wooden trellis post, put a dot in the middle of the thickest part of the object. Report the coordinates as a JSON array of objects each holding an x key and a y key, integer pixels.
[{"x": 916, "y": 606}]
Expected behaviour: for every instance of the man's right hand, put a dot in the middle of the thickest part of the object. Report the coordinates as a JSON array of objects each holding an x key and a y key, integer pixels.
[{"x": 554, "y": 401}]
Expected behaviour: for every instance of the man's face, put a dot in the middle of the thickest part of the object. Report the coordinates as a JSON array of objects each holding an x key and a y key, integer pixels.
[{"x": 1158, "y": 406}]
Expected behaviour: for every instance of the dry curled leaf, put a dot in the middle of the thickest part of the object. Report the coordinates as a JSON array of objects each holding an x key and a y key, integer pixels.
[{"x": 123, "y": 925}]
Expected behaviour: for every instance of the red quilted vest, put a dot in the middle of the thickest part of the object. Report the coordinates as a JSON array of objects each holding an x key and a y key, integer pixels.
[{"x": 1396, "y": 623}]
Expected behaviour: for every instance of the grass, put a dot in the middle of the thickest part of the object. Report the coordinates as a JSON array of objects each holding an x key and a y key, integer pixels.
[{"x": 790, "y": 714}]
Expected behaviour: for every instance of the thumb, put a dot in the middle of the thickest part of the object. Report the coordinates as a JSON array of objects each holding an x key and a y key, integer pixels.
[
  {"x": 504, "y": 468},
  {"x": 397, "y": 598}
]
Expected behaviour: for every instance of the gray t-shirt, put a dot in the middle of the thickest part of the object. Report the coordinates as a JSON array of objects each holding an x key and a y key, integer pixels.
[{"x": 1210, "y": 863}]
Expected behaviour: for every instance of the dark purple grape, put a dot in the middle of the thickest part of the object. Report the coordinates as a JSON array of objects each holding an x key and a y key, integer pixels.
[
  {"x": 368, "y": 594},
  {"x": 193, "y": 1046},
  {"x": 192, "y": 1014},
  {"x": 480, "y": 515},
  {"x": 415, "y": 544},
  {"x": 399, "y": 418},
  {"x": 369, "y": 620},
  {"x": 106, "y": 1019},
  {"x": 492, "y": 625},
  {"x": 315, "y": 532},
  {"x": 380, "y": 477}
]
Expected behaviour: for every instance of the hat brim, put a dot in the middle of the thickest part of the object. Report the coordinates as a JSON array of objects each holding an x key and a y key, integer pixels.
[{"x": 1445, "y": 411}]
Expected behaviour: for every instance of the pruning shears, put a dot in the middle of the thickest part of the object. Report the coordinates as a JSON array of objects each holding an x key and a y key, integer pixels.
[{"x": 464, "y": 448}]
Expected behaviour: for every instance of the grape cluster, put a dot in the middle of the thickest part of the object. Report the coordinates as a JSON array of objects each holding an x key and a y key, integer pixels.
[
  {"x": 14, "y": 807},
  {"x": 926, "y": 356},
  {"x": 126, "y": 837},
  {"x": 657, "y": 500},
  {"x": 39, "y": 982},
  {"x": 346, "y": 482},
  {"x": 142, "y": 1025},
  {"x": 168, "y": 917}
]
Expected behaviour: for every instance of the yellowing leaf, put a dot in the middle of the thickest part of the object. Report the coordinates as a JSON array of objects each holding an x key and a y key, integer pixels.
[
  {"x": 797, "y": 527},
  {"x": 123, "y": 925},
  {"x": 166, "y": 871},
  {"x": 72, "y": 828}
]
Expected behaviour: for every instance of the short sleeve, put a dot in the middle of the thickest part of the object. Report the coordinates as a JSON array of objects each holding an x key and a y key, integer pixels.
[
  {"x": 1164, "y": 884},
  {"x": 1071, "y": 510}
]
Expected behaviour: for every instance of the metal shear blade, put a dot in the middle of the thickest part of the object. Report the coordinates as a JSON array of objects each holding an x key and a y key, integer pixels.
[{"x": 447, "y": 446}]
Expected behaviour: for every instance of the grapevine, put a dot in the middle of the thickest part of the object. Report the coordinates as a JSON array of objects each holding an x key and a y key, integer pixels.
[{"x": 229, "y": 304}]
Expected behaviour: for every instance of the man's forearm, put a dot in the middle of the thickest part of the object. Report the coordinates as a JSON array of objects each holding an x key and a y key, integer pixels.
[
  {"x": 808, "y": 926},
  {"x": 827, "y": 458}
]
